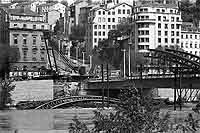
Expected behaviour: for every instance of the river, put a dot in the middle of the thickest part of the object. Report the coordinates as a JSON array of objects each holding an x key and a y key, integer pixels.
[
  {"x": 44, "y": 121},
  {"x": 41, "y": 121}
]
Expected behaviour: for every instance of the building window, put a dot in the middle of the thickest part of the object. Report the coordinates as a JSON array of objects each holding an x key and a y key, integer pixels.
[
  {"x": 158, "y": 10},
  {"x": 24, "y": 41},
  {"x": 195, "y": 45},
  {"x": 24, "y": 25},
  {"x": 166, "y": 40},
  {"x": 109, "y": 13},
  {"x": 159, "y": 25},
  {"x": 99, "y": 33},
  {"x": 15, "y": 25},
  {"x": 191, "y": 45},
  {"x": 186, "y": 36},
  {"x": 124, "y": 11},
  {"x": 166, "y": 26},
  {"x": 34, "y": 26},
  {"x": 128, "y": 11},
  {"x": 34, "y": 40},
  {"x": 172, "y": 26},
  {"x": 159, "y": 40},
  {"x": 103, "y": 12},
  {"x": 119, "y": 19},
  {"x": 108, "y": 19},
  {"x": 99, "y": 12},
  {"x": 172, "y": 40},
  {"x": 109, "y": 27},
  {"x": 104, "y": 33},
  {"x": 177, "y": 19},
  {"x": 95, "y": 33},
  {"x": 181, "y": 36},
  {"x": 104, "y": 26},
  {"x": 172, "y": 33},
  {"x": 119, "y": 11},
  {"x": 95, "y": 26},
  {"x": 163, "y": 10},
  {"x": 113, "y": 12},
  {"x": 113, "y": 19},
  {"x": 172, "y": 19},
  {"x": 159, "y": 18},
  {"x": 177, "y": 33},
  {"x": 95, "y": 40},
  {"x": 99, "y": 19},
  {"x": 159, "y": 33},
  {"x": 42, "y": 27},
  {"x": 177, "y": 26},
  {"x": 177, "y": 41},
  {"x": 195, "y": 36},
  {"x": 191, "y": 36},
  {"x": 15, "y": 40},
  {"x": 166, "y": 33},
  {"x": 99, "y": 26}
]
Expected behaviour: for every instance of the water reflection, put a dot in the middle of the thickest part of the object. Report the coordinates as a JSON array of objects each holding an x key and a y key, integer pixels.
[
  {"x": 5, "y": 122},
  {"x": 41, "y": 121}
]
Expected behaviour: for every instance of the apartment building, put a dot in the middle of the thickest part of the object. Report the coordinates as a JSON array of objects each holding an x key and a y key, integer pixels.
[
  {"x": 190, "y": 39},
  {"x": 26, "y": 32},
  {"x": 157, "y": 24},
  {"x": 102, "y": 20}
]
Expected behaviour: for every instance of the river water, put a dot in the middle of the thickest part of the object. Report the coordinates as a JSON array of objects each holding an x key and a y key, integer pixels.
[
  {"x": 44, "y": 121},
  {"x": 41, "y": 121}
]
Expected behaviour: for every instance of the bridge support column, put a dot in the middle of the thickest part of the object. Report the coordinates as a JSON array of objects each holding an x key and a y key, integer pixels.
[{"x": 175, "y": 87}]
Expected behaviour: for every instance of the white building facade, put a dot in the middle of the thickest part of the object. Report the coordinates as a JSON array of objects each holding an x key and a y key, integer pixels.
[
  {"x": 102, "y": 20},
  {"x": 190, "y": 39},
  {"x": 157, "y": 25}
]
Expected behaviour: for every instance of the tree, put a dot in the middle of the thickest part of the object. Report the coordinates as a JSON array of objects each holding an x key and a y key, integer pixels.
[
  {"x": 8, "y": 55},
  {"x": 5, "y": 95},
  {"x": 136, "y": 114}
]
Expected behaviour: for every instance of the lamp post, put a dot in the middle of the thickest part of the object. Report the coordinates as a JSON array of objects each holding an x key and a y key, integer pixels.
[
  {"x": 124, "y": 50},
  {"x": 90, "y": 56},
  {"x": 129, "y": 59},
  {"x": 83, "y": 58}
]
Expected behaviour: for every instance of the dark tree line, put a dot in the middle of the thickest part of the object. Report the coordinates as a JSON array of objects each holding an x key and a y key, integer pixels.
[{"x": 190, "y": 12}]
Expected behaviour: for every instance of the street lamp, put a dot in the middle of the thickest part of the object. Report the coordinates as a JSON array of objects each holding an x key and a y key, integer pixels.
[
  {"x": 129, "y": 58},
  {"x": 90, "y": 56},
  {"x": 83, "y": 58}
]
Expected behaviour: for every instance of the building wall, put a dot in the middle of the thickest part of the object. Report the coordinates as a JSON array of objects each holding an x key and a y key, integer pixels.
[
  {"x": 28, "y": 37},
  {"x": 103, "y": 20},
  {"x": 190, "y": 41},
  {"x": 158, "y": 25}
]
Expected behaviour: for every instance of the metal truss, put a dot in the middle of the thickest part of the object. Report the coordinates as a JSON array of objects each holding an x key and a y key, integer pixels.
[{"x": 74, "y": 99}]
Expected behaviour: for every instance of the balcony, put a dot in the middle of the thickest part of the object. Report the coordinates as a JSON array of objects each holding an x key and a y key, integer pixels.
[
  {"x": 34, "y": 48},
  {"x": 146, "y": 21}
]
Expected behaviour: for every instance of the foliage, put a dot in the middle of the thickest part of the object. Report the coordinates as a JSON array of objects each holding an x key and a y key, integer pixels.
[
  {"x": 7, "y": 88},
  {"x": 190, "y": 12},
  {"x": 135, "y": 114},
  {"x": 8, "y": 54}
]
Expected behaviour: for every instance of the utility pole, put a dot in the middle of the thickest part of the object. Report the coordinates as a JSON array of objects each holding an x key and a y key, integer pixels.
[
  {"x": 76, "y": 53},
  {"x": 108, "y": 95},
  {"x": 124, "y": 50}
]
